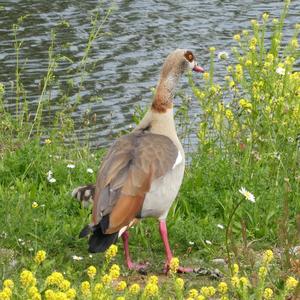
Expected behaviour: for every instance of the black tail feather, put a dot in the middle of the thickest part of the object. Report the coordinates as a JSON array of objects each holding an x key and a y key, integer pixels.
[
  {"x": 85, "y": 231},
  {"x": 99, "y": 241}
]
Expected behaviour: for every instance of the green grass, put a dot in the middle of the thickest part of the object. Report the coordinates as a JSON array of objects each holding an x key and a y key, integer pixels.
[{"x": 248, "y": 137}]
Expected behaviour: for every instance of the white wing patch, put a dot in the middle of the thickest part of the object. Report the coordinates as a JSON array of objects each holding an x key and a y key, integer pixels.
[{"x": 178, "y": 160}]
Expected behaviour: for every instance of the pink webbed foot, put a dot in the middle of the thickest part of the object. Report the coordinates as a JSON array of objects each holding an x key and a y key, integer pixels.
[
  {"x": 141, "y": 268},
  {"x": 180, "y": 270}
]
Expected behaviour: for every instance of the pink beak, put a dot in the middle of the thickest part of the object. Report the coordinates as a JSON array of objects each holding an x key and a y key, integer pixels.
[{"x": 198, "y": 69}]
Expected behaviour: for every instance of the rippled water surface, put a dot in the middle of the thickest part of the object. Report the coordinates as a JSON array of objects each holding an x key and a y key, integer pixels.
[{"x": 125, "y": 63}]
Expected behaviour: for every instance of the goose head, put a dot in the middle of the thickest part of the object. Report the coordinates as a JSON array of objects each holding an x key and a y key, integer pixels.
[{"x": 178, "y": 62}]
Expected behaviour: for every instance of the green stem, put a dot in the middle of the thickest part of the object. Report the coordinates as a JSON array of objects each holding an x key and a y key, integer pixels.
[{"x": 227, "y": 234}]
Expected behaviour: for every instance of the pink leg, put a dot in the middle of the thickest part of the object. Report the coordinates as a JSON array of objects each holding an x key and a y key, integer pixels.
[
  {"x": 130, "y": 264},
  {"x": 164, "y": 236}
]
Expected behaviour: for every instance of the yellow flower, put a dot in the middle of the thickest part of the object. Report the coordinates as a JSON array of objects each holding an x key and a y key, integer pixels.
[
  {"x": 174, "y": 265},
  {"x": 120, "y": 298},
  {"x": 212, "y": 49},
  {"x": 71, "y": 294},
  {"x": 179, "y": 282},
  {"x": 153, "y": 279},
  {"x": 7, "y": 293},
  {"x": 111, "y": 252},
  {"x": 252, "y": 44},
  {"x": 270, "y": 57},
  {"x": 114, "y": 272},
  {"x": 64, "y": 285},
  {"x": 8, "y": 283},
  {"x": 229, "y": 69},
  {"x": 200, "y": 297},
  {"x": 32, "y": 290},
  {"x": 48, "y": 141},
  {"x": 151, "y": 289},
  {"x": 224, "y": 298},
  {"x": 85, "y": 288},
  {"x": 208, "y": 291},
  {"x": 245, "y": 104},
  {"x": 235, "y": 269},
  {"x": 237, "y": 37},
  {"x": 36, "y": 296},
  {"x": 291, "y": 283},
  {"x": 254, "y": 23},
  {"x": 222, "y": 287},
  {"x": 229, "y": 114},
  {"x": 275, "y": 21},
  {"x": 27, "y": 279},
  {"x": 268, "y": 293},
  {"x": 265, "y": 17},
  {"x": 121, "y": 286},
  {"x": 134, "y": 289},
  {"x": 49, "y": 295},
  {"x": 91, "y": 271},
  {"x": 193, "y": 293},
  {"x": 245, "y": 281},
  {"x": 206, "y": 76},
  {"x": 40, "y": 257},
  {"x": 239, "y": 72},
  {"x": 262, "y": 272},
  {"x": 54, "y": 279},
  {"x": 268, "y": 257},
  {"x": 235, "y": 281},
  {"x": 106, "y": 279},
  {"x": 248, "y": 63},
  {"x": 294, "y": 43},
  {"x": 98, "y": 289}
]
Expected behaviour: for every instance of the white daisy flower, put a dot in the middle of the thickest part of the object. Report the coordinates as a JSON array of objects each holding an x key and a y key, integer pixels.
[
  {"x": 191, "y": 243},
  {"x": 280, "y": 71},
  {"x": 52, "y": 180},
  {"x": 247, "y": 194},
  {"x": 223, "y": 55},
  {"x": 208, "y": 242},
  {"x": 49, "y": 174},
  {"x": 75, "y": 257},
  {"x": 90, "y": 170},
  {"x": 220, "y": 226},
  {"x": 70, "y": 166}
]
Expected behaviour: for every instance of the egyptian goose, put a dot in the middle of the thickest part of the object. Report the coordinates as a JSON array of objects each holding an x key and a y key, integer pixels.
[{"x": 142, "y": 172}]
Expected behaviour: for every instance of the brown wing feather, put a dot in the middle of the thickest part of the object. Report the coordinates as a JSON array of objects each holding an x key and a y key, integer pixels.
[{"x": 126, "y": 174}]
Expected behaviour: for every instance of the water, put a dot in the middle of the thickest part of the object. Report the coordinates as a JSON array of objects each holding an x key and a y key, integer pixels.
[{"x": 126, "y": 62}]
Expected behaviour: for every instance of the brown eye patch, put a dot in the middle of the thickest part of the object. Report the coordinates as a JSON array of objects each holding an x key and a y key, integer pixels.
[{"x": 189, "y": 56}]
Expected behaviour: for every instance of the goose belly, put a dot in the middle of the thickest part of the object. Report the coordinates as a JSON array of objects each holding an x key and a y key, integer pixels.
[{"x": 162, "y": 193}]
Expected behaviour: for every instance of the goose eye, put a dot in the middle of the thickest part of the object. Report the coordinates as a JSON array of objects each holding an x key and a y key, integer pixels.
[{"x": 189, "y": 56}]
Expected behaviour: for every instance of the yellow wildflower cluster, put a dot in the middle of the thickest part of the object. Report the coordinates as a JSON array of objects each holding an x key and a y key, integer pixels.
[
  {"x": 223, "y": 287},
  {"x": 208, "y": 291},
  {"x": 55, "y": 279},
  {"x": 151, "y": 290},
  {"x": 179, "y": 283},
  {"x": 268, "y": 257},
  {"x": 134, "y": 289},
  {"x": 114, "y": 272},
  {"x": 40, "y": 257},
  {"x": 291, "y": 283},
  {"x": 245, "y": 104},
  {"x": 91, "y": 271},
  {"x": 121, "y": 286},
  {"x": 27, "y": 278},
  {"x": 268, "y": 294},
  {"x": 85, "y": 288},
  {"x": 239, "y": 72},
  {"x": 253, "y": 44},
  {"x": 111, "y": 252},
  {"x": 174, "y": 265}
]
